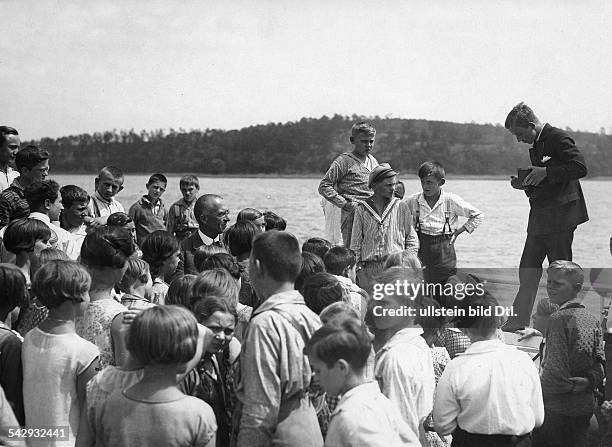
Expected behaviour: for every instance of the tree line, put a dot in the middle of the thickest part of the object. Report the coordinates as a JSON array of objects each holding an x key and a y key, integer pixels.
[{"x": 308, "y": 146}]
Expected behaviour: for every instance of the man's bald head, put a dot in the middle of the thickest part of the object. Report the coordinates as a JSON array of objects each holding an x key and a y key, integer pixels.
[{"x": 211, "y": 213}]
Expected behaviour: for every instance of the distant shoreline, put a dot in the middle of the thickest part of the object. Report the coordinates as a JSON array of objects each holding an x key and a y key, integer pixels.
[{"x": 319, "y": 176}]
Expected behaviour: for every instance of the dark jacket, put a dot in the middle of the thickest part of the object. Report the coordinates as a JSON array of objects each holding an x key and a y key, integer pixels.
[{"x": 557, "y": 204}]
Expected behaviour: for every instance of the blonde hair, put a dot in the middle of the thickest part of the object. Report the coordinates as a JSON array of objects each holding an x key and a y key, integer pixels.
[
  {"x": 569, "y": 270},
  {"x": 137, "y": 270},
  {"x": 215, "y": 282}
]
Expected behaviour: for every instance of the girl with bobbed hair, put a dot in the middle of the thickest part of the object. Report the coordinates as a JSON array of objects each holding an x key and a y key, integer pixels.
[
  {"x": 26, "y": 238},
  {"x": 104, "y": 252},
  {"x": 161, "y": 250}
]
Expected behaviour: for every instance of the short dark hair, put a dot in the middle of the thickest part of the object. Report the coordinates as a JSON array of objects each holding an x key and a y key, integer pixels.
[
  {"x": 22, "y": 234},
  {"x": 112, "y": 171},
  {"x": 118, "y": 219},
  {"x": 274, "y": 221},
  {"x": 156, "y": 248},
  {"x": 37, "y": 192},
  {"x": 179, "y": 291},
  {"x": 348, "y": 341},
  {"x": 317, "y": 245},
  {"x": 338, "y": 258},
  {"x": 322, "y": 289},
  {"x": 248, "y": 214},
  {"x": 59, "y": 281},
  {"x": 161, "y": 178},
  {"x": 203, "y": 252},
  {"x": 204, "y": 308},
  {"x": 215, "y": 282},
  {"x": 71, "y": 194},
  {"x": 486, "y": 322},
  {"x": 189, "y": 180},
  {"x": 520, "y": 116},
  {"x": 279, "y": 254},
  {"x": 311, "y": 263},
  {"x": 30, "y": 156},
  {"x": 14, "y": 291},
  {"x": 107, "y": 246},
  {"x": 6, "y": 130},
  {"x": 239, "y": 237},
  {"x": 222, "y": 261},
  {"x": 431, "y": 168},
  {"x": 163, "y": 335}
]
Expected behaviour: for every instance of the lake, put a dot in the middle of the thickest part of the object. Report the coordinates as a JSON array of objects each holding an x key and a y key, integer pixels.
[{"x": 497, "y": 243}]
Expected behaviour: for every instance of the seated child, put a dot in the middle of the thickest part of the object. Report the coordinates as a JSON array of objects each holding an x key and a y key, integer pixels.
[
  {"x": 274, "y": 221},
  {"x": 252, "y": 215},
  {"x": 363, "y": 416},
  {"x": 103, "y": 203},
  {"x": 136, "y": 285},
  {"x": 341, "y": 262},
  {"x": 573, "y": 360},
  {"x": 165, "y": 339},
  {"x": 182, "y": 222},
  {"x": 490, "y": 395},
  {"x": 72, "y": 217},
  {"x": 404, "y": 365},
  {"x": 316, "y": 245},
  {"x": 161, "y": 251},
  {"x": 149, "y": 213},
  {"x": 435, "y": 213},
  {"x": 13, "y": 293},
  {"x": 57, "y": 363}
]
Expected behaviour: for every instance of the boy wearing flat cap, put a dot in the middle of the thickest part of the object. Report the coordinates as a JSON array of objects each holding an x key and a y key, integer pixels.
[
  {"x": 346, "y": 181},
  {"x": 435, "y": 220},
  {"x": 382, "y": 225}
]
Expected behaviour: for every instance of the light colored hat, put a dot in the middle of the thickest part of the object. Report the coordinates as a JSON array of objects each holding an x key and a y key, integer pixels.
[{"x": 380, "y": 172}]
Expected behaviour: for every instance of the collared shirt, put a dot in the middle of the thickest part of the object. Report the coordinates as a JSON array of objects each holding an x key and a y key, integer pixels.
[
  {"x": 181, "y": 216},
  {"x": 207, "y": 240},
  {"x": 13, "y": 204},
  {"x": 365, "y": 417},
  {"x": 148, "y": 217},
  {"x": 7, "y": 178},
  {"x": 490, "y": 389},
  {"x": 347, "y": 177},
  {"x": 540, "y": 133},
  {"x": 274, "y": 369},
  {"x": 404, "y": 370},
  {"x": 375, "y": 236},
  {"x": 432, "y": 219},
  {"x": 100, "y": 207},
  {"x": 60, "y": 238}
]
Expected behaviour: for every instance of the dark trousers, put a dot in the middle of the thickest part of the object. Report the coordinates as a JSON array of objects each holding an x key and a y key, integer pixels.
[
  {"x": 555, "y": 247},
  {"x": 438, "y": 258},
  {"x": 559, "y": 430},
  {"x": 462, "y": 438}
]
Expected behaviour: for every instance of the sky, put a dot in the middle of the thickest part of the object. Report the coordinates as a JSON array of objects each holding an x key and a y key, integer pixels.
[{"x": 70, "y": 67}]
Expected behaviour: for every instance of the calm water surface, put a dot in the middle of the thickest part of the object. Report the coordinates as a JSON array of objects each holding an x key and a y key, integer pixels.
[{"x": 497, "y": 243}]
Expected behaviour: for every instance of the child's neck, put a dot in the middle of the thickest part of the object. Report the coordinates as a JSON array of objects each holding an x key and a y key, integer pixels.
[
  {"x": 60, "y": 320},
  {"x": 432, "y": 200},
  {"x": 137, "y": 291},
  {"x": 353, "y": 381},
  {"x": 362, "y": 157},
  {"x": 158, "y": 384},
  {"x": 153, "y": 201}
]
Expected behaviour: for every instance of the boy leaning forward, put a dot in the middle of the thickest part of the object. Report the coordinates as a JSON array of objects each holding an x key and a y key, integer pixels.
[{"x": 346, "y": 180}]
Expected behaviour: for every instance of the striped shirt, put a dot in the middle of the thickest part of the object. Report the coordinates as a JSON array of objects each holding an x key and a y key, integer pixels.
[
  {"x": 432, "y": 219},
  {"x": 375, "y": 236},
  {"x": 347, "y": 177}
]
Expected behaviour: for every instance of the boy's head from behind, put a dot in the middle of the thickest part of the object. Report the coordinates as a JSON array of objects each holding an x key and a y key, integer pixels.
[
  {"x": 189, "y": 186},
  {"x": 565, "y": 279},
  {"x": 253, "y": 215},
  {"x": 137, "y": 274},
  {"x": 109, "y": 182},
  {"x": 311, "y": 264},
  {"x": 274, "y": 221},
  {"x": 340, "y": 261},
  {"x": 338, "y": 353},
  {"x": 156, "y": 186},
  {"x": 337, "y": 312},
  {"x": 239, "y": 237},
  {"x": 275, "y": 257},
  {"x": 13, "y": 289},
  {"x": 163, "y": 335},
  {"x": 362, "y": 137},
  {"x": 482, "y": 326},
  {"x": 60, "y": 281},
  {"x": 322, "y": 289},
  {"x": 432, "y": 177},
  {"x": 215, "y": 282},
  {"x": 203, "y": 252},
  {"x": 316, "y": 245}
]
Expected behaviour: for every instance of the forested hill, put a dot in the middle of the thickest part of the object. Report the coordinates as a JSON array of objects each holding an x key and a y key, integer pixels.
[{"x": 308, "y": 146}]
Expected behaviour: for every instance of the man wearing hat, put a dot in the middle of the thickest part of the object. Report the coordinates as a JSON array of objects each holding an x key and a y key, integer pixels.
[
  {"x": 382, "y": 225},
  {"x": 346, "y": 181}
]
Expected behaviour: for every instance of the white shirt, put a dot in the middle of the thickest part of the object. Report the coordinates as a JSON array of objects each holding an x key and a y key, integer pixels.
[
  {"x": 490, "y": 389},
  {"x": 432, "y": 219},
  {"x": 60, "y": 238},
  {"x": 205, "y": 239},
  {"x": 100, "y": 207},
  {"x": 365, "y": 417},
  {"x": 404, "y": 369},
  {"x": 6, "y": 178}
]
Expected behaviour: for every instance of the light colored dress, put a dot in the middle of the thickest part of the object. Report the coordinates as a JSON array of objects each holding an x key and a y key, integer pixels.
[
  {"x": 440, "y": 360},
  {"x": 51, "y": 364},
  {"x": 332, "y": 222},
  {"x": 95, "y": 326}
]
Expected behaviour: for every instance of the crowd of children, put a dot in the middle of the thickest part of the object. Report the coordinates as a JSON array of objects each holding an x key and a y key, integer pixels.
[{"x": 167, "y": 326}]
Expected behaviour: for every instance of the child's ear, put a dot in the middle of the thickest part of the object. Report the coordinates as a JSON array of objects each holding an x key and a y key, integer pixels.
[
  {"x": 343, "y": 365},
  {"x": 443, "y": 181},
  {"x": 48, "y": 204}
]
